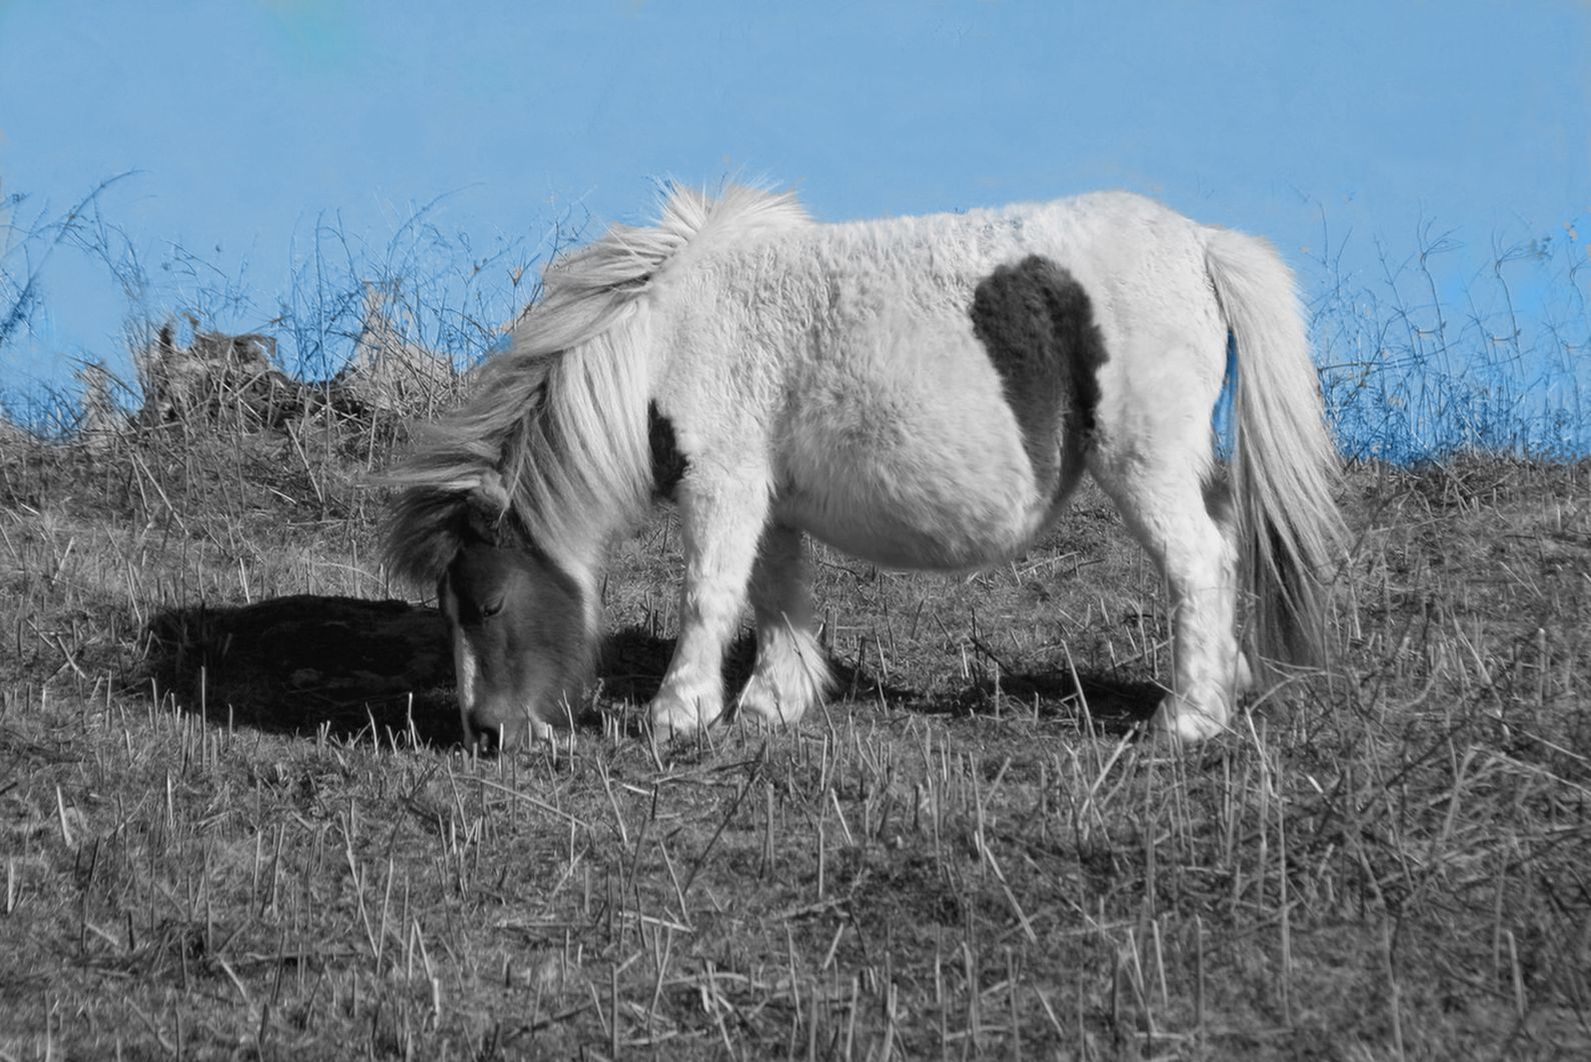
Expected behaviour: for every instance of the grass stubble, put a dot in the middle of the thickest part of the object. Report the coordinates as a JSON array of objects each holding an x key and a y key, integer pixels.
[{"x": 969, "y": 853}]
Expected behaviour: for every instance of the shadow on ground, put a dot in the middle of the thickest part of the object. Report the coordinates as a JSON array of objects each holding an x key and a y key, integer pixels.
[
  {"x": 1109, "y": 705},
  {"x": 634, "y": 662},
  {"x": 296, "y": 664}
]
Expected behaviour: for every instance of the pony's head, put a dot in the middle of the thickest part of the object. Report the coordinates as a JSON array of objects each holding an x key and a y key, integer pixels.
[{"x": 522, "y": 624}]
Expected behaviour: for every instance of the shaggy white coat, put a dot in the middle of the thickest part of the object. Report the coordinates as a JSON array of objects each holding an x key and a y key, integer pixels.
[{"x": 826, "y": 380}]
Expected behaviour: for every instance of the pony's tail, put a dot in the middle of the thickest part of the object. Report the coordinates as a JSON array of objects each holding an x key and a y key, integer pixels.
[{"x": 1284, "y": 467}]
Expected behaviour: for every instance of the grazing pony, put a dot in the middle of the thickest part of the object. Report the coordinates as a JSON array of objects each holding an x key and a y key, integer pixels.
[{"x": 922, "y": 392}]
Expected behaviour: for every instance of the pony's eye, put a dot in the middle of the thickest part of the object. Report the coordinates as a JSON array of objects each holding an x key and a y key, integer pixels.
[{"x": 492, "y": 608}]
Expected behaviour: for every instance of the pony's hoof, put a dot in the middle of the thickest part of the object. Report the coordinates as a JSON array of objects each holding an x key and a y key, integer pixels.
[
  {"x": 1186, "y": 725},
  {"x": 760, "y": 703},
  {"x": 673, "y": 717}
]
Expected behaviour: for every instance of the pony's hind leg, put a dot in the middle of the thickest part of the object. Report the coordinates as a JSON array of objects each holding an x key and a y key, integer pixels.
[
  {"x": 791, "y": 674},
  {"x": 1164, "y": 504},
  {"x": 721, "y": 518}
]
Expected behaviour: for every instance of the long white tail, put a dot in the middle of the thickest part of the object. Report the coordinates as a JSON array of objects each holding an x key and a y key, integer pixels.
[{"x": 1284, "y": 466}]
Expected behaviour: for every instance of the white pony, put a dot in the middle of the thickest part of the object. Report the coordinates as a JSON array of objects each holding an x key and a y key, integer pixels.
[{"x": 922, "y": 392}]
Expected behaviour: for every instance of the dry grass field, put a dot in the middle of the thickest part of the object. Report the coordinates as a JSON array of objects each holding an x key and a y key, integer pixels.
[{"x": 233, "y": 823}]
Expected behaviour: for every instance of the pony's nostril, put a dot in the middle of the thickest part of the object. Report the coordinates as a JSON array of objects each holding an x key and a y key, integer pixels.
[{"x": 482, "y": 738}]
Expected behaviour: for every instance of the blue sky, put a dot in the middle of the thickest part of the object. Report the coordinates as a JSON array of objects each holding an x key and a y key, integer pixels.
[{"x": 247, "y": 122}]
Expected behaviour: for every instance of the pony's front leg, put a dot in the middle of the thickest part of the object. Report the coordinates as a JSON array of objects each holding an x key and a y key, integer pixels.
[
  {"x": 722, "y": 512},
  {"x": 791, "y": 674}
]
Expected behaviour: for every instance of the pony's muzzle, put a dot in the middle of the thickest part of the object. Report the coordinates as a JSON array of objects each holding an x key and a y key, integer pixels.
[
  {"x": 490, "y": 735},
  {"x": 478, "y": 738},
  {"x": 487, "y": 733}
]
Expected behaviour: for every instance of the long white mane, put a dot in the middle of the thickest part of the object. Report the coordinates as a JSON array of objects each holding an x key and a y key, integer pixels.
[{"x": 553, "y": 443}]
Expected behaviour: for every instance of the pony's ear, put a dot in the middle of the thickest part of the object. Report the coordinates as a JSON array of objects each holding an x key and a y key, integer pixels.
[{"x": 486, "y": 506}]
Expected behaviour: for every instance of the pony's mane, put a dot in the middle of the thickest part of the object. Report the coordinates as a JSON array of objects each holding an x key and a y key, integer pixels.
[{"x": 552, "y": 448}]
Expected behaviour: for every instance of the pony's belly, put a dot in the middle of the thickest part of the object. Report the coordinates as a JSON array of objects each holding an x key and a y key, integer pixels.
[
  {"x": 941, "y": 507},
  {"x": 902, "y": 449},
  {"x": 937, "y": 540}
]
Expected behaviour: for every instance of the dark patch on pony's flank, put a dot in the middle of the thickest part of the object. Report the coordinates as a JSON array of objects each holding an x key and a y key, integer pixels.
[
  {"x": 668, "y": 464},
  {"x": 1036, "y": 323}
]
